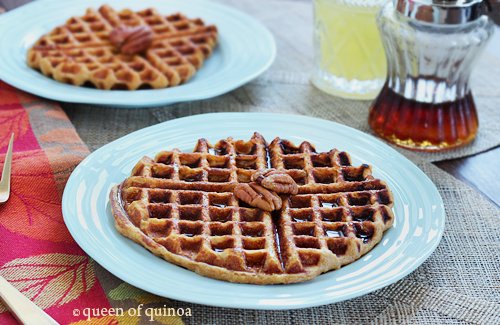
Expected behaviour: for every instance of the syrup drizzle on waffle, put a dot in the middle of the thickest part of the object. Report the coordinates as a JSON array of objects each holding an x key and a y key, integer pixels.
[{"x": 277, "y": 243}]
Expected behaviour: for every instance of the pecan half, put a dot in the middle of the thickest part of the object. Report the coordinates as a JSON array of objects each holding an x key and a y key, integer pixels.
[
  {"x": 277, "y": 181},
  {"x": 132, "y": 40},
  {"x": 258, "y": 196}
]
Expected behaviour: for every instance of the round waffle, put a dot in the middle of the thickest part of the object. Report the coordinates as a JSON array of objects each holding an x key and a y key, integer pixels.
[
  {"x": 80, "y": 52},
  {"x": 180, "y": 206}
]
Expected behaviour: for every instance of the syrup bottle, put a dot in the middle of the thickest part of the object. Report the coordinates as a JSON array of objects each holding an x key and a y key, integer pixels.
[{"x": 431, "y": 48}]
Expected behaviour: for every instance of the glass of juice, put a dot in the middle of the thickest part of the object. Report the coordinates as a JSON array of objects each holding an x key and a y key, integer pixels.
[{"x": 349, "y": 56}]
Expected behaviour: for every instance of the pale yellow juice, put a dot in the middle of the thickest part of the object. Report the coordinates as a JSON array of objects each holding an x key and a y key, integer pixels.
[{"x": 350, "y": 58}]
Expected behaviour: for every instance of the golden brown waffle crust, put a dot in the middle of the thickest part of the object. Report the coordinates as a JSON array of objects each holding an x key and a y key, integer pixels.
[
  {"x": 127, "y": 229},
  {"x": 80, "y": 52},
  {"x": 181, "y": 207}
]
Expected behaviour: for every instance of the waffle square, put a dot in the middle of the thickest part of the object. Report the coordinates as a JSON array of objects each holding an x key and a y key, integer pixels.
[
  {"x": 80, "y": 52},
  {"x": 181, "y": 206}
]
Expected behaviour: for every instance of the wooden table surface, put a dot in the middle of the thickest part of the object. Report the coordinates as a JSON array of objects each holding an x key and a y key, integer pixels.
[{"x": 477, "y": 170}]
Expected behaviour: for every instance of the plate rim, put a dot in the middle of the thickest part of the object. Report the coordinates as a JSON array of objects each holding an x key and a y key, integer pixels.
[
  {"x": 141, "y": 96},
  {"x": 124, "y": 276}
]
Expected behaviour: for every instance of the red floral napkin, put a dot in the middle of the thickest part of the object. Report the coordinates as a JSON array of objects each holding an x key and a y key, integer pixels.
[{"x": 37, "y": 253}]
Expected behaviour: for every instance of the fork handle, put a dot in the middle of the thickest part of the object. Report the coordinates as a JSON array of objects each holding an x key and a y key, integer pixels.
[{"x": 25, "y": 311}]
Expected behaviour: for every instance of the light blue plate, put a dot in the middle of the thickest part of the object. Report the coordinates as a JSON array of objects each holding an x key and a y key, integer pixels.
[
  {"x": 246, "y": 49},
  {"x": 416, "y": 232}
]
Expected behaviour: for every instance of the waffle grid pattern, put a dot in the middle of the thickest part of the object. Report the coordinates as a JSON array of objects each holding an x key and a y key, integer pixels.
[
  {"x": 210, "y": 228},
  {"x": 80, "y": 53},
  {"x": 313, "y": 225},
  {"x": 184, "y": 203}
]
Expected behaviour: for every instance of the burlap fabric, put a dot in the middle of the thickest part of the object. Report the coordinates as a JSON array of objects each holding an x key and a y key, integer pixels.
[
  {"x": 285, "y": 87},
  {"x": 459, "y": 283}
]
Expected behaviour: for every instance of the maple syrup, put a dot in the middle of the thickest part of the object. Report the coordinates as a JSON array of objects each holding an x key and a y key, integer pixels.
[
  {"x": 334, "y": 233},
  {"x": 432, "y": 48},
  {"x": 219, "y": 205},
  {"x": 423, "y": 126},
  {"x": 325, "y": 204},
  {"x": 297, "y": 219}
]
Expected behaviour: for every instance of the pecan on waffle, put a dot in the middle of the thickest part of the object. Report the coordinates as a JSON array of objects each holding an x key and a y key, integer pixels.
[
  {"x": 81, "y": 53},
  {"x": 181, "y": 207}
]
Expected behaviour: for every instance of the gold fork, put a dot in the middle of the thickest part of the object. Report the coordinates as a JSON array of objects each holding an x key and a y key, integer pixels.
[
  {"x": 21, "y": 307},
  {"x": 5, "y": 181}
]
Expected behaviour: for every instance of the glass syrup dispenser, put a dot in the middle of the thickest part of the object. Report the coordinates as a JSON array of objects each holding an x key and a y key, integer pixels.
[{"x": 431, "y": 48}]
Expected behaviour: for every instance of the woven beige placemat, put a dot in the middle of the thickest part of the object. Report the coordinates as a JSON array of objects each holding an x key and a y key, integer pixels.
[
  {"x": 458, "y": 284},
  {"x": 285, "y": 87}
]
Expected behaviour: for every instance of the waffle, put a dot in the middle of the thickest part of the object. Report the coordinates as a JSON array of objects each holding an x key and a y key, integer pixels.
[
  {"x": 181, "y": 207},
  {"x": 80, "y": 52}
]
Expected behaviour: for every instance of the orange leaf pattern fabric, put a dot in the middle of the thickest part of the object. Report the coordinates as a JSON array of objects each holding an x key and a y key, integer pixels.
[
  {"x": 37, "y": 254},
  {"x": 15, "y": 120},
  {"x": 50, "y": 279},
  {"x": 35, "y": 200}
]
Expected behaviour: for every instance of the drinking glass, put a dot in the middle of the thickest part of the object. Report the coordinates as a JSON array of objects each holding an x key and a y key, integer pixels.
[{"x": 349, "y": 56}]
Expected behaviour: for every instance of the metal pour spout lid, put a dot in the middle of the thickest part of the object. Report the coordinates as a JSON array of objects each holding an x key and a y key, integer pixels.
[{"x": 446, "y": 12}]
